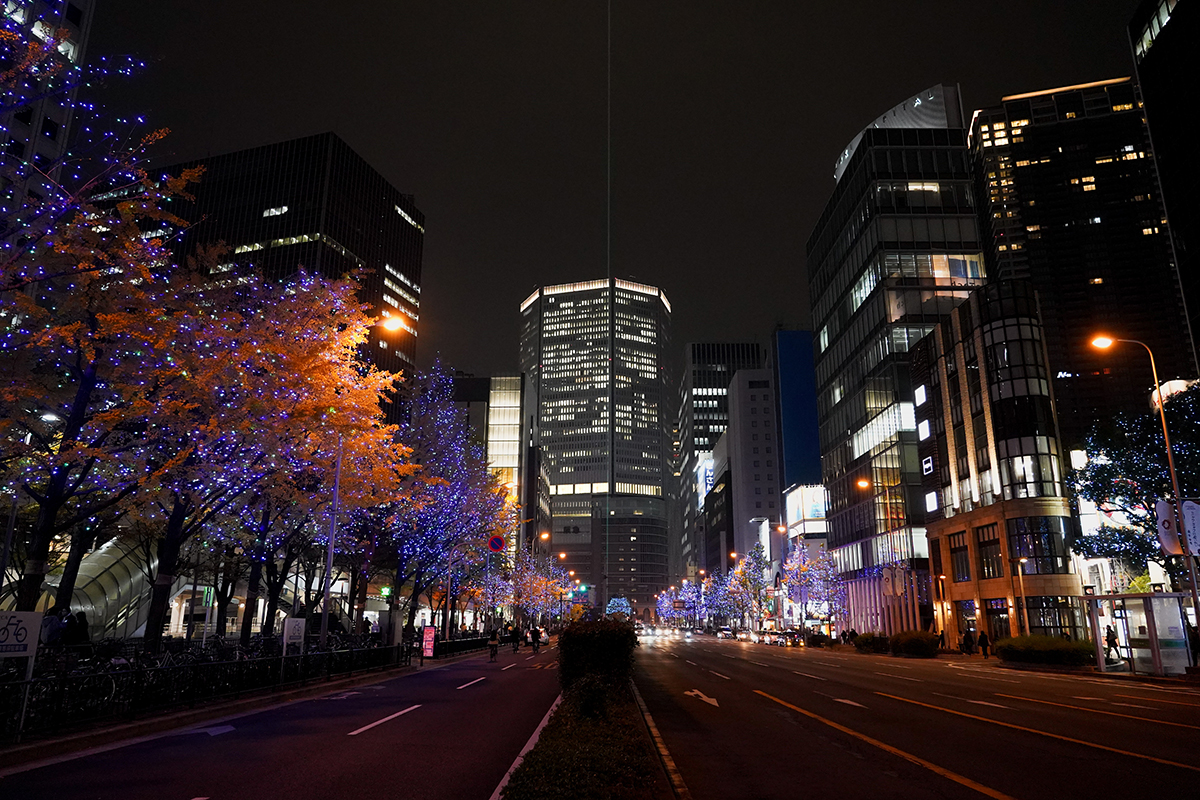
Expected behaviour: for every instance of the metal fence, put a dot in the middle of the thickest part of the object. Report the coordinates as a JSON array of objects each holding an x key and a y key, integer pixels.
[{"x": 58, "y": 703}]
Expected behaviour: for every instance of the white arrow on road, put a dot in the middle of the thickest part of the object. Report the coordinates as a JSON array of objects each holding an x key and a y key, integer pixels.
[
  {"x": 213, "y": 731},
  {"x": 699, "y": 695}
]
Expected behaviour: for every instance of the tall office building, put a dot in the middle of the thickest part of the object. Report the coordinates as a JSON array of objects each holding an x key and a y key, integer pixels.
[
  {"x": 796, "y": 387},
  {"x": 593, "y": 356},
  {"x": 37, "y": 132},
  {"x": 1163, "y": 36},
  {"x": 703, "y": 416},
  {"x": 896, "y": 248},
  {"x": 992, "y": 470},
  {"x": 315, "y": 202},
  {"x": 1069, "y": 200}
]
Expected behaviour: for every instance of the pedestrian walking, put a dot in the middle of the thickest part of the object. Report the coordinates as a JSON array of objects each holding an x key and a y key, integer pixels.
[
  {"x": 968, "y": 643},
  {"x": 984, "y": 642},
  {"x": 493, "y": 645},
  {"x": 52, "y": 626},
  {"x": 942, "y": 639},
  {"x": 1110, "y": 641},
  {"x": 535, "y": 638}
]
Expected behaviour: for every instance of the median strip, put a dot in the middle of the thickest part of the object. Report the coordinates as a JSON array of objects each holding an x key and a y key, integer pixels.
[
  {"x": 945, "y": 773},
  {"x": 385, "y": 719}
]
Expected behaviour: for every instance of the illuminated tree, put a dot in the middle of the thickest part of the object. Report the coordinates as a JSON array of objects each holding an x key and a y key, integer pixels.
[
  {"x": 619, "y": 605},
  {"x": 814, "y": 583},
  {"x": 749, "y": 584},
  {"x": 1126, "y": 474}
]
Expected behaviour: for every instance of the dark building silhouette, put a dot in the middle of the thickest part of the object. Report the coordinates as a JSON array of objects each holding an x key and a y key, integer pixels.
[
  {"x": 795, "y": 382},
  {"x": 1164, "y": 35},
  {"x": 314, "y": 202},
  {"x": 1069, "y": 201}
]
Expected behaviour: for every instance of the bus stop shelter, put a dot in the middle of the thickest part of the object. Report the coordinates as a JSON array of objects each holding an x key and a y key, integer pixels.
[{"x": 1150, "y": 630}]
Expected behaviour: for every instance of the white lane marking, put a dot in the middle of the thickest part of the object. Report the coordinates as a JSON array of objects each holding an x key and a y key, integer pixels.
[
  {"x": 1135, "y": 705},
  {"x": 848, "y": 702},
  {"x": 699, "y": 695},
  {"x": 510, "y": 666},
  {"x": 531, "y": 658},
  {"x": 728, "y": 656},
  {"x": 900, "y": 677},
  {"x": 693, "y": 663},
  {"x": 1157, "y": 700},
  {"x": 719, "y": 675},
  {"x": 1078, "y": 697},
  {"x": 385, "y": 719},
  {"x": 759, "y": 663},
  {"x": 472, "y": 683},
  {"x": 814, "y": 677},
  {"x": 986, "y": 703},
  {"x": 672, "y": 655},
  {"x": 528, "y": 746}
]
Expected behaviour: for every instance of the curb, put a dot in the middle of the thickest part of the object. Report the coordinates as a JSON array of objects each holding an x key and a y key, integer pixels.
[{"x": 678, "y": 787}]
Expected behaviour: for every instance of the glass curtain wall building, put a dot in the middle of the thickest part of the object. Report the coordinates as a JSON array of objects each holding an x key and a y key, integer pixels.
[
  {"x": 896, "y": 248},
  {"x": 992, "y": 471},
  {"x": 593, "y": 354},
  {"x": 704, "y": 415},
  {"x": 1069, "y": 200},
  {"x": 314, "y": 202}
]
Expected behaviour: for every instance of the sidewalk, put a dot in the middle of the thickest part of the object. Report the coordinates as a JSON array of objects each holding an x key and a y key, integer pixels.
[{"x": 112, "y": 736}]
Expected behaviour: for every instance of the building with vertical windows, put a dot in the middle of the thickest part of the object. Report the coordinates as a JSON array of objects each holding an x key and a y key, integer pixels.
[
  {"x": 1163, "y": 36},
  {"x": 992, "y": 470},
  {"x": 708, "y": 369},
  {"x": 594, "y": 358},
  {"x": 896, "y": 248},
  {"x": 1069, "y": 200},
  {"x": 314, "y": 202}
]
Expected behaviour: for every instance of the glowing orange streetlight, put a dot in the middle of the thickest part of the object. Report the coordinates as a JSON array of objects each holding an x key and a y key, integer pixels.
[
  {"x": 391, "y": 324},
  {"x": 545, "y": 536},
  {"x": 562, "y": 555}
]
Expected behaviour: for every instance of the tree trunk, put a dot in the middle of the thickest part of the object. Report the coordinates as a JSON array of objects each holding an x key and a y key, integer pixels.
[
  {"x": 168, "y": 561},
  {"x": 81, "y": 542},
  {"x": 277, "y": 576}
]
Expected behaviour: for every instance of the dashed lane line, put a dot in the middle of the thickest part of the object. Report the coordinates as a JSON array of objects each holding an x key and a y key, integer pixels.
[
  {"x": 693, "y": 663},
  {"x": 1098, "y": 711},
  {"x": 1047, "y": 734},
  {"x": 385, "y": 719},
  {"x": 1157, "y": 700},
  {"x": 862, "y": 737},
  {"x": 759, "y": 663},
  {"x": 719, "y": 675},
  {"x": 807, "y": 675},
  {"x": 510, "y": 666},
  {"x": 472, "y": 683},
  {"x": 900, "y": 677}
]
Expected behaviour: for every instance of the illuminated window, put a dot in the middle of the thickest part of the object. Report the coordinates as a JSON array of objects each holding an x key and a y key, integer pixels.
[
  {"x": 275, "y": 212},
  {"x": 1096, "y": 281}
]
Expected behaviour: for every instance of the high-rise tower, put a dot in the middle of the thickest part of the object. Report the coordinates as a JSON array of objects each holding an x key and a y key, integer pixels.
[
  {"x": 896, "y": 248},
  {"x": 1069, "y": 201},
  {"x": 593, "y": 355}
]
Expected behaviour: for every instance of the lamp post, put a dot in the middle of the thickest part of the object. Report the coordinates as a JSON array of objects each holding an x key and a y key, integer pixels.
[
  {"x": 1105, "y": 342},
  {"x": 1021, "y": 582}
]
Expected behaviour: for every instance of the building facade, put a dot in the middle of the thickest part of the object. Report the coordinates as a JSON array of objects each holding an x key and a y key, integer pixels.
[
  {"x": 314, "y": 202},
  {"x": 1069, "y": 200},
  {"x": 896, "y": 248},
  {"x": 1163, "y": 36},
  {"x": 708, "y": 369},
  {"x": 997, "y": 516},
  {"x": 593, "y": 356}
]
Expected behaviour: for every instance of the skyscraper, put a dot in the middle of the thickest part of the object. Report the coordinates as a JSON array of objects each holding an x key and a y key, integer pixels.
[
  {"x": 703, "y": 416},
  {"x": 896, "y": 248},
  {"x": 1069, "y": 201},
  {"x": 314, "y": 202},
  {"x": 593, "y": 355},
  {"x": 1163, "y": 36}
]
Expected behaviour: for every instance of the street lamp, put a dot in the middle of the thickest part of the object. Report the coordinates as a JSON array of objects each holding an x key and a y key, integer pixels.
[
  {"x": 1021, "y": 581},
  {"x": 1105, "y": 342}
]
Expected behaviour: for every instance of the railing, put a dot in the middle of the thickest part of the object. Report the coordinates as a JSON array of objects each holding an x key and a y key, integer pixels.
[
  {"x": 57, "y": 703},
  {"x": 442, "y": 649}
]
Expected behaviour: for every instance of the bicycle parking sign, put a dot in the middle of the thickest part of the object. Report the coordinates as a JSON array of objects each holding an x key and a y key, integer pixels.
[{"x": 19, "y": 631}]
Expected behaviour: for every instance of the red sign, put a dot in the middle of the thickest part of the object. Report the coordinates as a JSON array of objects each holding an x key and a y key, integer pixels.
[
  {"x": 427, "y": 640},
  {"x": 496, "y": 543}
]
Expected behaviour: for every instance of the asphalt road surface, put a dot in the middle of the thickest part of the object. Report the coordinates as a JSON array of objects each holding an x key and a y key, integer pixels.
[
  {"x": 748, "y": 720},
  {"x": 445, "y": 732}
]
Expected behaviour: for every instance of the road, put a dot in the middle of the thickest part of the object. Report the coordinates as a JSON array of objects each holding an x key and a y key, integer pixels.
[
  {"x": 752, "y": 721},
  {"x": 450, "y": 731}
]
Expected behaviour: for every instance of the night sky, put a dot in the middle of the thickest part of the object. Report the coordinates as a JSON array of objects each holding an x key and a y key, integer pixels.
[{"x": 726, "y": 120}]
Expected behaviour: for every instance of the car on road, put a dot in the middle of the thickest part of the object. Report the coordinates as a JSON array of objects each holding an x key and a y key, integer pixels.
[{"x": 725, "y": 633}]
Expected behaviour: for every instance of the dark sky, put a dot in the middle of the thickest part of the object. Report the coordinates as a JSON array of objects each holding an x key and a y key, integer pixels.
[{"x": 726, "y": 120}]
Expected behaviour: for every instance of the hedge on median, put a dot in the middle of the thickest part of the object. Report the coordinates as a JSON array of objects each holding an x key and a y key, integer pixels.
[
  {"x": 915, "y": 644},
  {"x": 595, "y": 746},
  {"x": 872, "y": 643},
  {"x": 1046, "y": 650}
]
